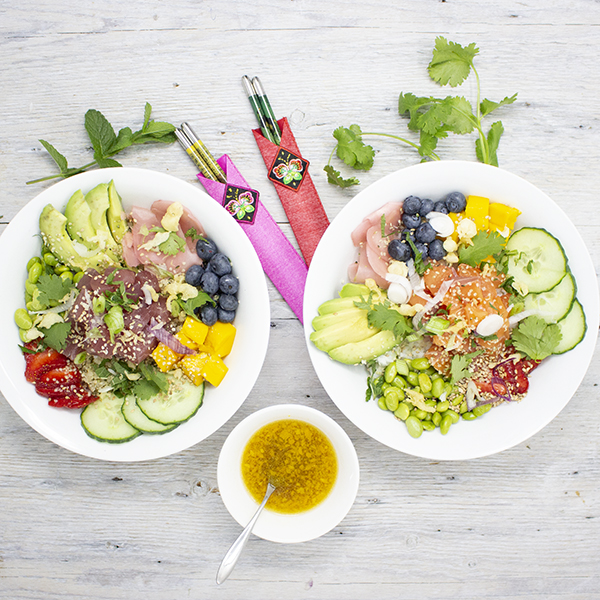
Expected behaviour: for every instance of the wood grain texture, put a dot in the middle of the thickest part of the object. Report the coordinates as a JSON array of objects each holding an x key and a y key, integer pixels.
[{"x": 523, "y": 524}]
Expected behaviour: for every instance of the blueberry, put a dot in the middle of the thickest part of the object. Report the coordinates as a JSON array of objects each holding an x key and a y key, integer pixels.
[
  {"x": 411, "y": 221},
  {"x": 208, "y": 314},
  {"x": 229, "y": 284},
  {"x": 399, "y": 250},
  {"x": 220, "y": 265},
  {"x": 436, "y": 250},
  {"x": 411, "y": 205},
  {"x": 193, "y": 275},
  {"x": 228, "y": 302},
  {"x": 226, "y": 316},
  {"x": 209, "y": 283},
  {"x": 456, "y": 202},
  {"x": 422, "y": 248},
  {"x": 426, "y": 207},
  {"x": 440, "y": 207},
  {"x": 425, "y": 233},
  {"x": 205, "y": 248}
]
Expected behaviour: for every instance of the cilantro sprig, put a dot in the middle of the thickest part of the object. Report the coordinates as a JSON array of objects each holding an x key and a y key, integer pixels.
[
  {"x": 384, "y": 316},
  {"x": 536, "y": 338},
  {"x": 106, "y": 143},
  {"x": 432, "y": 118}
]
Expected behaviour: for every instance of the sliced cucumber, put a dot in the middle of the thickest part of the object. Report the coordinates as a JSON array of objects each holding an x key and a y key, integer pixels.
[
  {"x": 134, "y": 416},
  {"x": 178, "y": 404},
  {"x": 572, "y": 328},
  {"x": 536, "y": 260},
  {"x": 553, "y": 305},
  {"x": 104, "y": 421}
]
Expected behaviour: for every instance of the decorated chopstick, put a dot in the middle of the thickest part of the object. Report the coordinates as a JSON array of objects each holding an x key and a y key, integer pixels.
[
  {"x": 202, "y": 151},
  {"x": 279, "y": 259},
  {"x": 267, "y": 110}
]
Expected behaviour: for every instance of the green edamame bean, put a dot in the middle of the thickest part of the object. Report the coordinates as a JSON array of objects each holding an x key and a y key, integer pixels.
[
  {"x": 413, "y": 378},
  {"x": 30, "y": 288},
  {"x": 392, "y": 401},
  {"x": 414, "y": 427},
  {"x": 403, "y": 411},
  {"x": 443, "y": 406},
  {"x": 35, "y": 305},
  {"x": 457, "y": 399},
  {"x": 77, "y": 276},
  {"x": 445, "y": 425},
  {"x": 468, "y": 416},
  {"x": 58, "y": 269},
  {"x": 402, "y": 367},
  {"x": 462, "y": 409},
  {"x": 420, "y": 364},
  {"x": 68, "y": 276},
  {"x": 32, "y": 261},
  {"x": 481, "y": 410},
  {"x": 399, "y": 382},
  {"x": 381, "y": 403},
  {"x": 390, "y": 373},
  {"x": 453, "y": 415},
  {"x": 50, "y": 259},
  {"x": 34, "y": 272},
  {"x": 436, "y": 419},
  {"x": 22, "y": 319},
  {"x": 428, "y": 417},
  {"x": 418, "y": 413},
  {"x": 424, "y": 382},
  {"x": 437, "y": 387},
  {"x": 428, "y": 425}
]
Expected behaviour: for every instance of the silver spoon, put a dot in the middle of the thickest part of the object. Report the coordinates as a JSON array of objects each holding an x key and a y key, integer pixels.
[{"x": 230, "y": 559}]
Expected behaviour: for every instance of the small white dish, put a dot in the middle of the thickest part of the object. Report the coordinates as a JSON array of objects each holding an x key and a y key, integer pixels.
[
  {"x": 140, "y": 187},
  {"x": 550, "y": 388},
  {"x": 288, "y": 528}
]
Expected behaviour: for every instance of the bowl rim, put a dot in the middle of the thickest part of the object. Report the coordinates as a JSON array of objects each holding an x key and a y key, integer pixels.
[
  {"x": 297, "y": 527},
  {"x": 428, "y": 179},
  {"x": 136, "y": 185}
]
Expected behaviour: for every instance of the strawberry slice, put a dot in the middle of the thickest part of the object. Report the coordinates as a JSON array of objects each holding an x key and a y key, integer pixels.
[
  {"x": 52, "y": 379},
  {"x": 76, "y": 397},
  {"x": 35, "y": 363}
]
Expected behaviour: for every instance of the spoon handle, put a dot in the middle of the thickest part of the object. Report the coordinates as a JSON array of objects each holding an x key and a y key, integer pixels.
[{"x": 230, "y": 559}]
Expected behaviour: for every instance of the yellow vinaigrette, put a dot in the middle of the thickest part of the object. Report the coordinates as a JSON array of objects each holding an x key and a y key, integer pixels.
[{"x": 294, "y": 456}]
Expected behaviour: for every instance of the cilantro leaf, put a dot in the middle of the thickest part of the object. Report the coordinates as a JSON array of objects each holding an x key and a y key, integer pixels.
[
  {"x": 52, "y": 288},
  {"x": 493, "y": 139},
  {"x": 536, "y": 338},
  {"x": 420, "y": 265},
  {"x": 487, "y": 106},
  {"x": 56, "y": 336},
  {"x": 451, "y": 63},
  {"x": 459, "y": 367},
  {"x": 194, "y": 235},
  {"x": 383, "y": 316},
  {"x": 335, "y": 177},
  {"x": 190, "y": 306},
  {"x": 351, "y": 149},
  {"x": 172, "y": 245},
  {"x": 485, "y": 243}
]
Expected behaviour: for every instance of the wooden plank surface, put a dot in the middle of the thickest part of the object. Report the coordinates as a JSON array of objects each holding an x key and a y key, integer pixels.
[{"x": 523, "y": 524}]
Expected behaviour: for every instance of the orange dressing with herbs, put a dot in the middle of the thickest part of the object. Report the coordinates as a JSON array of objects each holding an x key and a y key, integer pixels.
[{"x": 294, "y": 456}]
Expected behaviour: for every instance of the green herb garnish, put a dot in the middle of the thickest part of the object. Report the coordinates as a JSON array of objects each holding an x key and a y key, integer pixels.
[{"x": 536, "y": 338}]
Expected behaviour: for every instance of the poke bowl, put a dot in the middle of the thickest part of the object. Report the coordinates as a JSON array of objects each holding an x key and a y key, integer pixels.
[
  {"x": 240, "y": 364},
  {"x": 358, "y": 377}
]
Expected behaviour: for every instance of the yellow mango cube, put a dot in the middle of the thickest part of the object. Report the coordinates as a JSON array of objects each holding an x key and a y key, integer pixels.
[
  {"x": 195, "y": 330},
  {"x": 164, "y": 357},
  {"x": 502, "y": 215},
  {"x": 478, "y": 209},
  {"x": 220, "y": 338},
  {"x": 204, "y": 366},
  {"x": 456, "y": 218},
  {"x": 191, "y": 365}
]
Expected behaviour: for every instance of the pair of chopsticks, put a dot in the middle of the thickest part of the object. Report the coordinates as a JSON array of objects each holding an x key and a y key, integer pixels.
[
  {"x": 199, "y": 153},
  {"x": 262, "y": 109}
]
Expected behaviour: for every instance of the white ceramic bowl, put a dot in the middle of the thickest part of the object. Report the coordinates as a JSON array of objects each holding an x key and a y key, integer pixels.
[
  {"x": 139, "y": 187},
  {"x": 550, "y": 388},
  {"x": 291, "y": 528}
]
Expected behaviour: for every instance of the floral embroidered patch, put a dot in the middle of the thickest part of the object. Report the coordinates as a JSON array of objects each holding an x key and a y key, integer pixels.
[
  {"x": 241, "y": 203},
  {"x": 288, "y": 169}
]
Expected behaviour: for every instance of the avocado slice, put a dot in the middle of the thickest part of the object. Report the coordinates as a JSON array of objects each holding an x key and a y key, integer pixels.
[
  {"x": 98, "y": 201},
  {"x": 372, "y": 347},
  {"x": 354, "y": 289},
  {"x": 79, "y": 221},
  {"x": 338, "y": 304},
  {"x": 322, "y": 321},
  {"x": 344, "y": 332},
  {"x": 53, "y": 227},
  {"x": 115, "y": 214}
]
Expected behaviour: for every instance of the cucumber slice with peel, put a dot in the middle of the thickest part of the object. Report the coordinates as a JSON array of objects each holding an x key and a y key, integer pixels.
[
  {"x": 104, "y": 421},
  {"x": 572, "y": 327},
  {"x": 135, "y": 417},
  {"x": 536, "y": 260},
  {"x": 553, "y": 305}
]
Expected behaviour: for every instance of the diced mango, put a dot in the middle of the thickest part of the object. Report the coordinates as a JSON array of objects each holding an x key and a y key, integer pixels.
[
  {"x": 164, "y": 357},
  {"x": 478, "y": 209},
  {"x": 502, "y": 216},
  {"x": 456, "y": 218},
  {"x": 204, "y": 366},
  {"x": 195, "y": 330},
  {"x": 220, "y": 338},
  {"x": 185, "y": 340}
]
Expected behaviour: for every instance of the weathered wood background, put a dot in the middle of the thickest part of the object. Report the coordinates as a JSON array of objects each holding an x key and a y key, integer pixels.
[{"x": 524, "y": 524}]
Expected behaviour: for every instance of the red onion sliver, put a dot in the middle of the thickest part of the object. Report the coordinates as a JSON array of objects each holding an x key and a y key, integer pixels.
[{"x": 168, "y": 339}]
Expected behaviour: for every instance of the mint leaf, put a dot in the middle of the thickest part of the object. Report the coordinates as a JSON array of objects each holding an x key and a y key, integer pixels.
[
  {"x": 147, "y": 113},
  {"x": 100, "y": 132},
  {"x": 451, "y": 63},
  {"x": 58, "y": 158},
  {"x": 335, "y": 177}
]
